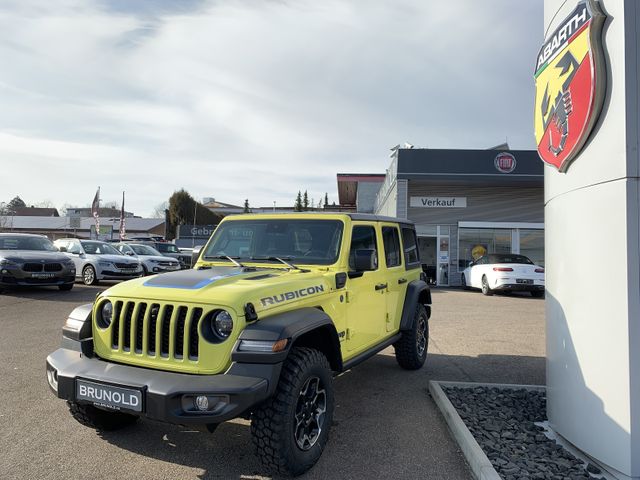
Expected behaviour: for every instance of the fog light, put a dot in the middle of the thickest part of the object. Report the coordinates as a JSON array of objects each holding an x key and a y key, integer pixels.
[
  {"x": 4, "y": 270},
  {"x": 202, "y": 403},
  {"x": 52, "y": 378}
]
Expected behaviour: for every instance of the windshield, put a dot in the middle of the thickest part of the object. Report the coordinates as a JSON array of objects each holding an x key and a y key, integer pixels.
[
  {"x": 167, "y": 248},
  {"x": 99, "y": 248},
  {"x": 18, "y": 242},
  {"x": 311, "y": 242},
  {"x": 145, "y": 250},
  {"x": 496, "y": 258}
]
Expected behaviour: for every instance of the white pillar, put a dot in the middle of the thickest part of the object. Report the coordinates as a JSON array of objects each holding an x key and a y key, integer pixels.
[{"x": 592, "y": 245}]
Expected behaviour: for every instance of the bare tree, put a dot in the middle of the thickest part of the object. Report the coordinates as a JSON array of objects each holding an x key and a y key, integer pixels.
[{"x": 158, "y": 210}]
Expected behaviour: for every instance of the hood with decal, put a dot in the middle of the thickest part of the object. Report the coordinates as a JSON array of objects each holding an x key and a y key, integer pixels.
[{"x": 231, "y": 286}]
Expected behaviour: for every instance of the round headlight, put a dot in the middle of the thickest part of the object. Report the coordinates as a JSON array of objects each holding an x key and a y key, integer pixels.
[
  {"x": 222, "y": 324},
  {"x": 106, "y": 314}
]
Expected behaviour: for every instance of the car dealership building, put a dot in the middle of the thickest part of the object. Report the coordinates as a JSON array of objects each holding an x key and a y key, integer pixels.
[{"x": 466, "y": 203}]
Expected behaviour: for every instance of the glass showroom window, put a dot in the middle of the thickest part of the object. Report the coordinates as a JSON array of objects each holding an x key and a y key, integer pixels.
[
  {"x": 475, "y": 242},
  {"x": 532, "y": 245}
]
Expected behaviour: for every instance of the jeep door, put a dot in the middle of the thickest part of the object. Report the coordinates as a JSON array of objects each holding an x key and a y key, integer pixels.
[
  {"x": 366, "y": 291},
  {"x": 396, "y": 275}
]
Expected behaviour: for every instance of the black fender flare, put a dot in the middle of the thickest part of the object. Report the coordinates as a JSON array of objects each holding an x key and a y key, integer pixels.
[
  {"x": 417, "y": 292},
  {"x": 297, "y": 326}
]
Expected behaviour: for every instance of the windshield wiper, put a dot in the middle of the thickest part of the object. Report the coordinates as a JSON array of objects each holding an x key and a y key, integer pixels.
[
  {"x": 225, "y": 257},
  {"x": 281, "y": 260}
]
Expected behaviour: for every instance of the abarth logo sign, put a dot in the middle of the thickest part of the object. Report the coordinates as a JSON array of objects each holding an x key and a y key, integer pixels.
[{"x": 570, "y": 85}]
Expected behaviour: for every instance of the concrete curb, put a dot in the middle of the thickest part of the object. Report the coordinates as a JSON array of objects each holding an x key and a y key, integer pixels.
[{"x": 480, "y": 465}]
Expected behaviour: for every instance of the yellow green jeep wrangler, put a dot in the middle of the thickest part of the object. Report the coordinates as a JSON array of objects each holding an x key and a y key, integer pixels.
[{"x": 273, "y": 308}]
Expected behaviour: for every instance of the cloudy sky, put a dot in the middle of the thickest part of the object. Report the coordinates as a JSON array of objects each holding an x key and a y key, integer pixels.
[{"x": 250, "y": 99}]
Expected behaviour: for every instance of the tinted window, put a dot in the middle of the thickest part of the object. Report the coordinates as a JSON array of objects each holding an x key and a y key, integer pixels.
[
  {"x": 410, "y": 246},
  {"x": 314, "y": 242},
  {"x": 20, "y": 242},
  {"x": 391, "y": 241},
  {"x": 362, "y": 238},
  {"x": 167, "y": 248}
]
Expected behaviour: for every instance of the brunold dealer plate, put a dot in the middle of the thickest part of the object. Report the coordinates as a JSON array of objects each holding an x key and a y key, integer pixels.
[{"x": 109, "y": 396}]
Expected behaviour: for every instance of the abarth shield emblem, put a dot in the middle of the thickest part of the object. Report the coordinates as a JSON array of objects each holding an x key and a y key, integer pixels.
[{"x": 570, "y": 85}]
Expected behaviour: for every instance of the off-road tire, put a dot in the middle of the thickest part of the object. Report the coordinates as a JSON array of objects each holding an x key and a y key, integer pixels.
[
  {"x": 464, "y": 283},
  {"x": 411, "y": 349},
  {"x": 486, "y": 290},
  {"x": 537, "y": 293},
  {"x": 273, "y": 424},
  {"x": 66, "y": 287},
  {"x": 89, "y": 279},
  {"x": 93, "y": 417}
]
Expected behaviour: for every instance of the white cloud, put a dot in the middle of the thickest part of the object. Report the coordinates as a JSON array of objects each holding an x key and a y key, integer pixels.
[{"x": 251, "y": 99}]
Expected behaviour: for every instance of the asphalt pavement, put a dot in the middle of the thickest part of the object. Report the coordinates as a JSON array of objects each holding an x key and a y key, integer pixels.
[{"x": 385, "y": 423}]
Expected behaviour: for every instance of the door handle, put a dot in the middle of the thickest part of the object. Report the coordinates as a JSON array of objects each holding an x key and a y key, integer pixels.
[
  {"x": 401, "y": 281},
  {"x": 381, "y": 286}
]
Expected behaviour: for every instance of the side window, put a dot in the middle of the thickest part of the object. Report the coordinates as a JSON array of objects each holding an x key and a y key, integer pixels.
[
  {"x": 362, "y": 238},
  {"x": 391, "y": 241},
  {"x": 73, "y": 247},
  {"x": 411, "y": 257}
]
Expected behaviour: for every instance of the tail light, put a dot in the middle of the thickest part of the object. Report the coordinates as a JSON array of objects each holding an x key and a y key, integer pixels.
[
  {"x": 502, "y": 269},
  {"x": 539, "y": 270}
]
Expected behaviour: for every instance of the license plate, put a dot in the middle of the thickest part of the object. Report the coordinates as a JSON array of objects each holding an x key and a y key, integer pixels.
[
  {"x": 42, "y": 275},
  {"x": 108, "y": 396},
  {"x": 524, "y": 280}
]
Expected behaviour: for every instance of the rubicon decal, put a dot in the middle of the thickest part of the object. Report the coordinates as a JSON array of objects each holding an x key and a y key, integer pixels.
[
  {"x": 570, "y": 85},
  {"x": 283, "y": 297}
]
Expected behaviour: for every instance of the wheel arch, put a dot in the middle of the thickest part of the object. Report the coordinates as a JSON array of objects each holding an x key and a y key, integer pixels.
[
  {"x": 418, "y": 292},
  {"x": 304, "y": 327}
]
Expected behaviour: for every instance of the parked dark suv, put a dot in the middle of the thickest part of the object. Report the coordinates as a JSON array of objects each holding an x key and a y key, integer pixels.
[{"x": 27, "y": 260}]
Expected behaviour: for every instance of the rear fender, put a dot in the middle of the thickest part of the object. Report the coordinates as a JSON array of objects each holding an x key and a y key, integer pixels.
[{"x": 418, "y": 292}]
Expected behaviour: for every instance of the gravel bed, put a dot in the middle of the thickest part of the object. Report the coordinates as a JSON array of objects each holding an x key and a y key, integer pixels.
[{"x": 503, "y": 422}]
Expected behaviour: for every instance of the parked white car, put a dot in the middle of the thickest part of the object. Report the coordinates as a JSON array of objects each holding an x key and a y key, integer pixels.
[
  {"x": 97, "y": 261},
  {"x": 152, "y": 260},
  {"x": 504, "y": 272}
]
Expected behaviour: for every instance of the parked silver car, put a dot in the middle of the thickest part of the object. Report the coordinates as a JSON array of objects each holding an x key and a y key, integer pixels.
[
  {"x": 97, "y": 261},
  {"x": 30, "y": 260},
  {"x": 152, "y": 260}
]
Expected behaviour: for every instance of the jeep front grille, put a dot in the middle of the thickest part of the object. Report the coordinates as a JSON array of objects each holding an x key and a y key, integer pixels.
[{"x": 150, "y": 329}]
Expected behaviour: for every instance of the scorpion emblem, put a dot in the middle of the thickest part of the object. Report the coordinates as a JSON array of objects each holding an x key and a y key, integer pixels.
[{"x": 562, "y": 105}]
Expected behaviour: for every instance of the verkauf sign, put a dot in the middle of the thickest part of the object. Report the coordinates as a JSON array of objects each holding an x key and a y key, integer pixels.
[{"x": 438, "y": 202}]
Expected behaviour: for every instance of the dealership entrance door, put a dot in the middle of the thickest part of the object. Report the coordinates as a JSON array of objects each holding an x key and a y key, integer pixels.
[{"x": 434, "y": 254}]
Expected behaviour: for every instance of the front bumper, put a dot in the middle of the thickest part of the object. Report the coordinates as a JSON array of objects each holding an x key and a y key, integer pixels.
[
  {"x": 166, "y": 396},
  {"x": 25, "y": 279},
  {"x": 118, "y": 275}
]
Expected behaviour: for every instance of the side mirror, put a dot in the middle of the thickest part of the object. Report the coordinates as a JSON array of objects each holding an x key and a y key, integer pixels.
[
  {"x": 62, "y": 249},
  {"x": 365, "y": 260},
  {"x": 129, "y": 253}
]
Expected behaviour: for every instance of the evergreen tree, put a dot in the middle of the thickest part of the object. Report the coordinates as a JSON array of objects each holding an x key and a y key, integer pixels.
[
  {"x": 326, "y": 200},
  {"x": 184, "y": 210},
  {"x": 246, "y": 206},
  {"x": 305, "y": 201},
  {"x": 297, "y": 207},
  {"x": 15, "y": 203}
]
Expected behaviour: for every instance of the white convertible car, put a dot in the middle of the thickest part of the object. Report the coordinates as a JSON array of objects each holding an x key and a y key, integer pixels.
[{"x": 504, "y": 272}]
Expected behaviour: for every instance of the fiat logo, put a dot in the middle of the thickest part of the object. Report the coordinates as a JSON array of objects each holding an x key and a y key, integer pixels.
[{"x": 505, "y": 163}]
